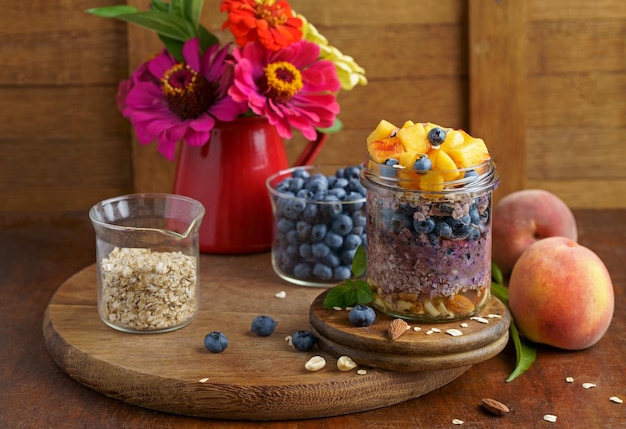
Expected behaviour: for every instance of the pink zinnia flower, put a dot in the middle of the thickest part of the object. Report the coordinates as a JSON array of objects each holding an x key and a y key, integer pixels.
[
  {"x": 291, "y": 86},
  {"x": 181, "y": 101}
]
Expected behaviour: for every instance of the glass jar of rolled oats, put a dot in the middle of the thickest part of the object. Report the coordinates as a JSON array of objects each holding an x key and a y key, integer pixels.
[
  {"x": 147, "y": 257},
  {"x": 429, "y": 247}
]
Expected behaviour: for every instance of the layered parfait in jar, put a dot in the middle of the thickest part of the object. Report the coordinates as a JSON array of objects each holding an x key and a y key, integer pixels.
[{"x": 429, "y": 192}]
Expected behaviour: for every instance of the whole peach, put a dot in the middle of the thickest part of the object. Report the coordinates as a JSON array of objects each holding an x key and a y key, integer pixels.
[
  {"x": 524, "y": 217},
  {"x": 561, "y": 294}
]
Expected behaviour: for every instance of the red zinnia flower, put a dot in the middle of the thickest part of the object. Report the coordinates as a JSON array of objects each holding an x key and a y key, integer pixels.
[{"x": 271, "y": 22}]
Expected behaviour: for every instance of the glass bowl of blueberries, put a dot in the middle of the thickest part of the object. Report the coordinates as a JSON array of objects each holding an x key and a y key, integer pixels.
[{"x": 319, "y": 222}]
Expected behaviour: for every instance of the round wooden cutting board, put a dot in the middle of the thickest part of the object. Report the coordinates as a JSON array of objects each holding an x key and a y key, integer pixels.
[{"x": 255, "y": 378}]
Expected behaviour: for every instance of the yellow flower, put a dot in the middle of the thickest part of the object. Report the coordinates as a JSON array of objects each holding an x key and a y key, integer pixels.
[{"x": 350, "y": 74}]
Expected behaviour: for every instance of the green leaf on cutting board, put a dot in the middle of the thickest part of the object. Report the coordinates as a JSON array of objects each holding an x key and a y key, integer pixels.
[{"x": 525, "y": 351}]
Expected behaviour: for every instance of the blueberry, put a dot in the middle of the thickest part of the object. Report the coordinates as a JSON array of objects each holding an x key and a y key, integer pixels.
[
  {"x": 351, "y": 242},
  {"x": 332, "y": 260},
  {"x": 352, "y": 172},
  {"x": 358, "y": 219},
  {"x": 263, "y": 326},
  {"x": 347, "y": 256},
  {"x": 304, "y": 194},
  {"x": 285, "y": 225},
  {"x": 342, "y": 272},
  {"x": 356, "y": 186},
  {"x": 302, "y": 270},
  {"x": 318, "y": 232},
  {"x": 301, "y": 172},
  {"x": 423, "y": 163},
  {"x": 296, "y": 184},
  {"x": 337, "y": 192},
  {"x": 399, "y": 221},
  {"x": 342, "y": 183},
  {"x": 426, "y": 226},
  {"x": 436, "y": 136},
  {"x": 320, "y": 249},
  {"x": 305, "y": 250},
  {"x": 342, "y": 224},
  {"x": 471, "y": 173},
  {"x": 310, "y": 213},
  {"x": 442, "y": 229},
  {"x": 322, "y": 271},
  {"x": 303, "y": 229},
  {"x": 361, "y": 315},
  {"x": 317, "y": 182},
  {"x": 303, "y": 340},
  {"x": 333, "y": 240},
  {"x": 474, "y": 215},
  {"x": 293, "y": 208},
  {"x": 387, "y": 169},
  {"x": 215, "y": 342},
  {"x": 460, "y": 227},
  {"x": 353, "y": 198},
  {"x": 331, "y": 206}
]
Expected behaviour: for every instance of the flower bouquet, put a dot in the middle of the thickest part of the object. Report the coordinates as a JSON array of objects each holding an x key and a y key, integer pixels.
[
  {"x": 231, "y": 104},
  {"x": 279, "y": 67}
]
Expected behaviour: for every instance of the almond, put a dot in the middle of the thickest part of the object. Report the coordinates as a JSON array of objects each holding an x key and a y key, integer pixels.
[
  {"x": 460, "y": 304},
  {"x": 495, "y": 407},
  {"x": 396, "y": 328}
]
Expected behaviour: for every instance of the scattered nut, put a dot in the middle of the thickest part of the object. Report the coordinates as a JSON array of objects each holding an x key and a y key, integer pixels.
[
  {"x": 494, "y": 316},
  {"x": 569, "y": 379},
  {"x": 337, "y": 308},
  {"x": 397, "y": 327},
  {"x": 361, "y": 372},
  {"x": 479, "y": 319},
  {"x": 281, "y": 295},
  {"x": 345, "y": 363},
  {"x": 203, "y": 380},
  {"x": 454, "y": 332},
  {"x": 464, "y": 325},
  {"x": 417, "y": 328},
  {"x": 315, "y": 363},
  {"x": 588, "y": 385},
  {"x": 550, "y": 418},
  {"x": 495, "y": 407},
  {"x": 616, "y": 399},
  {"x": 457, "y": 422}
]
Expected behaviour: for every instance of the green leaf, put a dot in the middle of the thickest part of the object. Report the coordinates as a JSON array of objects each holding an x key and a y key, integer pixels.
[
  {"x": 525, "y": 354},
  {"x": 496, "y": 274},
  {"x": 206, "y": 38},
  {"x": 359, "y": 262},
  {"x": 500, "y": 292},
  {"x": 192, "y": 10},
  {"x": 174, "y": 47},
  {"x": 112, "y": 11},
  {"x": 335, "y": 296},
  {"x": 364, "y": 294},
  {"x": 348, "y": 294},
  {"x": 160, "y": 6},
  {"x": 164, "y": 24},
  {"x": 337, "y": 126}
]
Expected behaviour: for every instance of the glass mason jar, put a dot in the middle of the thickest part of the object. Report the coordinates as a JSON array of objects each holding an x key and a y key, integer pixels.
[
  {"x": 147, "y": 259},
  {"x": 317, "y": 225},
  {"x": 429, "y": 240}
]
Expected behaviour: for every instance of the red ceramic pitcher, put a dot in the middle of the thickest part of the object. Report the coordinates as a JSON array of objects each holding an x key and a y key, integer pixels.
[{"x": 228, "y": 174}]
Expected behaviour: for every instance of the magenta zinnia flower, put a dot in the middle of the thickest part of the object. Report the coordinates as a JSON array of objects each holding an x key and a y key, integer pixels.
[
  {"x": 183, "y": 100},
  {"x": 291, "y": 86}
]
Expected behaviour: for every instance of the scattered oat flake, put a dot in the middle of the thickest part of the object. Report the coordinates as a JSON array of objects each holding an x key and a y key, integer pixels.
[
  {"x": 616, "y": 399},
  {"x": 337, "y": 308},
  {"x": 457, "y": 422},
  {"x": 430, "y": 332},
  {"x": 464, "y": 325},
  {"x": 454, "y": 332},
  {"x": 494, "y": 316},
  {"x": 282, "y": 294},
  {"x": 417, "y": 328},
  {"x": 550, "y": 418},
  {"x": 569, "y": 379},
  {"x": 203, "y": 380},
  {"x": 588, "y": 385},
  {"x": 479, "y": 319},
  {"x": 361, "y": 372}
]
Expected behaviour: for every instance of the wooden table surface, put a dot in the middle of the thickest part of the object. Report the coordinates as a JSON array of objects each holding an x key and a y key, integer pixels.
[{"x": 38, "y": 252}]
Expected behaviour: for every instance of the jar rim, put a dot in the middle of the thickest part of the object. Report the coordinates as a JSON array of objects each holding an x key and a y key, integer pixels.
[{"x": 487, "y": 179}]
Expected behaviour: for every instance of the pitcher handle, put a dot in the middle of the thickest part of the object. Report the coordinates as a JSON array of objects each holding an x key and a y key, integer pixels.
[{"x": 311, "y": 150}]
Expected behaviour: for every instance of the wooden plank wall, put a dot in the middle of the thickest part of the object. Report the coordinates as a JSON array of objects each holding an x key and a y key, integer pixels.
[{"x": 65, "y": 146}]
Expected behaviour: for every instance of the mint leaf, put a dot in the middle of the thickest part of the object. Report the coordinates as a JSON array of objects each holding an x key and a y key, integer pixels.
[
  {"x": 352, "y": 291},
  {"x": 359, "y": 262}
]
